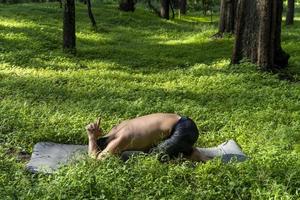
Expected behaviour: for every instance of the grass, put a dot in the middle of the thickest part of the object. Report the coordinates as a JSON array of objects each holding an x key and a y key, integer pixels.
[{"x": 135, "y": 64}]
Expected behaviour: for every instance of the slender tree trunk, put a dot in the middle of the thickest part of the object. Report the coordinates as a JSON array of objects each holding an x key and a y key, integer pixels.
[
  {"x": 227, "y": 16},
  {"x": 164, "y": 8},
  {"x": 203, "y": 7},
  {"x": 91, "y": 16},
  {"x": 290, "y": 12},
  {"x": 60, "y": 3},
  {"x": 175, "y": 3},
  {"x": 69, "y": 37},
  {"x": 258, "y": 34},
  {"x": 182, "y": 6}
]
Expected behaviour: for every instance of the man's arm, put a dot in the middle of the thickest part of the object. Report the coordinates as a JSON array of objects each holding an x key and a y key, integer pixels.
[
  {"x": 114, "y": 147},
  {"x": 94, "y": 131}
]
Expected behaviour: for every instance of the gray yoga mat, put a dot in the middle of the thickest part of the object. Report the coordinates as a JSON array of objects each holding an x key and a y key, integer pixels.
[{"x": 48, "y": 156}]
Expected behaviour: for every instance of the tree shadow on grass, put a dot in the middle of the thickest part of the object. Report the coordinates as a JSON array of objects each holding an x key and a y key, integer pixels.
[
  {"x": 21, "y": 45},
  {"x": 70, "y": 94},
  {"x": 159, "y": 56},
  {"x": 129, "y": 44},
  {"x": 133, "y": 54}
]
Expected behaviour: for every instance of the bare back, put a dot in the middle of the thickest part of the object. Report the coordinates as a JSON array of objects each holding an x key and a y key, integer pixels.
[{"x": 143, "y": 132}]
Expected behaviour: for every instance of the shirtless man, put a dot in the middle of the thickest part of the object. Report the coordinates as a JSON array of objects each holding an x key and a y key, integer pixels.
[{"x": 167, "y": 133}]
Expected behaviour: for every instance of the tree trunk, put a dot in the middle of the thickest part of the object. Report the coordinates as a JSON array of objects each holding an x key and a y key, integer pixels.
[
  {"x": 227, "y": 16},
  {"x": 182, "y": 6},
  {"x": 290, "y": 12},
  {"x": 258, "y": 34},
  {"x": 91, "y": 16},
  {"x": 69, "y": 37},
  {"x": 164, "y": 8},
  {"x": 127, "y": 5},
  {"x": 205, "y": 6}
]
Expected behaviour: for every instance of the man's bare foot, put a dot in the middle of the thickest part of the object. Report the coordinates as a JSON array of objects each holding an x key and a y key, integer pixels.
[
  {"x": 93, "y": 130},
  {"x": 198, "y": 156}
]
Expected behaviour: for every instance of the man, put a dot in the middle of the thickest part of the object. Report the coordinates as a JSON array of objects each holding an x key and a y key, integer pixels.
[{"x": 170, "y": 134}]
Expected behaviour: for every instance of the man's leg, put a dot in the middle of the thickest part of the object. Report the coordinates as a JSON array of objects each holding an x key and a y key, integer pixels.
[{"x": 198, "y": 156}]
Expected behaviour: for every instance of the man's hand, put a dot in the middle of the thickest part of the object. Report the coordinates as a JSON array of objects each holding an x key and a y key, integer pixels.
[{"x": 94, "y": 130}]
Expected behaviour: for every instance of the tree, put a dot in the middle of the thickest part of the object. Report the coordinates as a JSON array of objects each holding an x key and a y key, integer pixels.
[
  {"x": 127, "y": 5},
  {"x": 290, "y": 12},
  {"x": 60, "y": 3},
  {"x": 258, "y": 34},
  {"x": 91, "y": 16},
  {"x": 69, "y": 37},
  {"x": 164, "y": 8},
  {"x": 227, "y": 16},
  {"x": 182, "y": 6},
  {"x": 206, "y": 4}
]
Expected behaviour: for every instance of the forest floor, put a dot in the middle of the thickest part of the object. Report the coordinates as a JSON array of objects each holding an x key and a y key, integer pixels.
[{"x": 136, "y": 64}]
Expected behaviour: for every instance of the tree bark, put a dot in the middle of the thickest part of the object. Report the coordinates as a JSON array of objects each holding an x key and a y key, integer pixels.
[
  {"x": 258, "y": 34},
  {"x": 164, "y": 8},
  {"x": 290, "y": 12},
  {"x": 182, "y": 6},
  {"x": 69, "y": 37},
  {"x": 91, "y": 16},
  {"x": 227, "y": 16}
]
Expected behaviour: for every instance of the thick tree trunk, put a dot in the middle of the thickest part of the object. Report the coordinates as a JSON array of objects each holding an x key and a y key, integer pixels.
[
  {"x": 91, "y": 16},
  {"x": 127, "y": 5},
  {"x": 227, "y": 16},
  {"x": 69, "y": 37},
  {"x": 258, "y": 34},
  {"x": 290, "y": 12},
  {"x": 164, "y": 8},
  {"x": 182, "y": 6}
]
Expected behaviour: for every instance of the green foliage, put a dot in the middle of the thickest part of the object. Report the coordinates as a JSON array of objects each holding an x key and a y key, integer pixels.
[
  {"x": 204, "y": 5},
  {"x": 25, "y": 1},
  {"x": 135, "y": 64}
]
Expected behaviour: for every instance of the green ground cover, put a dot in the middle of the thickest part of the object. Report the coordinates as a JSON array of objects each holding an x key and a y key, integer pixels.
[{"x": 135, "y": 64}]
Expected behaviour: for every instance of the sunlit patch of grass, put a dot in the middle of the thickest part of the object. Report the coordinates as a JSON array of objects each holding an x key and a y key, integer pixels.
[
  {"x": 196, "y": 19},
  {"x": 21, "y": 37},
  {"x": 10, "y": 23},
  {"x": 96, "y": 37},
  {"x": 191, "y": 39}
]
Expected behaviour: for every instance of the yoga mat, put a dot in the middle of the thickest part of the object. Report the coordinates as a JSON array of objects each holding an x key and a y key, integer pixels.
[{"x": 47, "y": 157}]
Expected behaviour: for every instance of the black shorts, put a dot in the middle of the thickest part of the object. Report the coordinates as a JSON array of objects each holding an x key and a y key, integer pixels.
[{"x": 183, "y": 136}]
